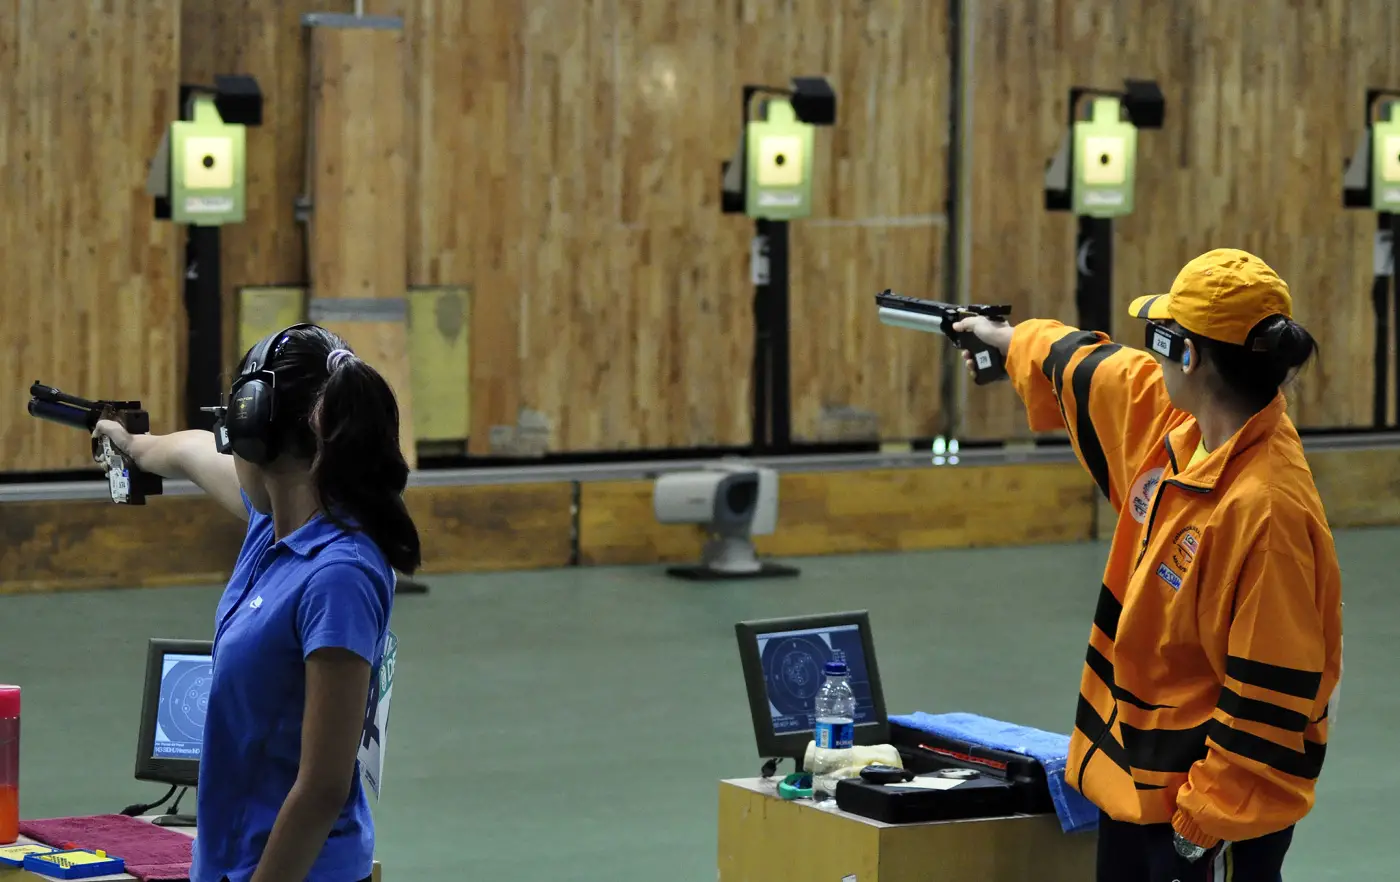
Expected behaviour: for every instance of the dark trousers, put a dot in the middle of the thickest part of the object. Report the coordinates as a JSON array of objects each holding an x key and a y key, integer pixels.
[{"x": 1145, "y": 853}]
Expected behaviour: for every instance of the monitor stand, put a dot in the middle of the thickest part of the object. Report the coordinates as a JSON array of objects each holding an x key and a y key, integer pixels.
[{"x": 174, "y": 820}]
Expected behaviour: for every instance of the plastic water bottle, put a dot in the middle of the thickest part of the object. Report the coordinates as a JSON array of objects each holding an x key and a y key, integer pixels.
[
  {"x": 9, "y": 764},
  {"x": 835, "y": 724}
]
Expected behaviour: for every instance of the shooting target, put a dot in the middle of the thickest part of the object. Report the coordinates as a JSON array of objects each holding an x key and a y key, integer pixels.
[
  {"x": 1103, "y": 161},
  {"x": 184, "y": 701},
  {"x": 1390, "y": 161},
  {"x": 793, "y": 669},
  {"x": 208, "y": 163},
  {"x": 780, "y": 161}
]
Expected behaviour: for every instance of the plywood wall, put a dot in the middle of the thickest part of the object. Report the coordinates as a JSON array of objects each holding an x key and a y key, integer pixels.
[
  {"x": 563, "y": 165},
  {"x": 264, "y": 39},
  {"x": 1264, "y": 104},
  {"x": 567, "y": 157},
  {"x": 89, "y": 300}
]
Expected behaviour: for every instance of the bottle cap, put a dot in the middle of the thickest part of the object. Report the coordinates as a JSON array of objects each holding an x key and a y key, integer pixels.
[
  {"x": 9, "y": 701},
  {"x": 835, "y": 668}
]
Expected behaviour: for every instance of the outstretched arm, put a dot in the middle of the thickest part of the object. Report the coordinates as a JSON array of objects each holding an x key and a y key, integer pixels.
[
  {"x": 189, "y": 455},
  {"x": 1109, "y": 397}
]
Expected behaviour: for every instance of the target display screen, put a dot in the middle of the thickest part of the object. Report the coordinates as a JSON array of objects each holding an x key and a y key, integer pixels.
[
  {"x": 793, "y": 664},
  {"x": 184, "y": 698}
]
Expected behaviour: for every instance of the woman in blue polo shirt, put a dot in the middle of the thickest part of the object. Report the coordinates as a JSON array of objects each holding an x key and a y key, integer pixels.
[{"x": 317, "y": 472}]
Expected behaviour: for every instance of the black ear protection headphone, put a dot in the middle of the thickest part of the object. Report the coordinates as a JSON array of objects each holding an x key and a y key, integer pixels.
[
  {"x": 244, "y": 425},
  {"x": 1167, "y": 343}
]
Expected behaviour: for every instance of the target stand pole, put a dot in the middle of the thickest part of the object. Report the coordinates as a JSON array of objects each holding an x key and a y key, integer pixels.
[
  {"x": 1384, "y": 262},
  {"x": 1093, "y": 285},
  {"x": 772, "y": 377},
  {"x": 203, "y": 307},
  {"x": 1392, "y": 221}
]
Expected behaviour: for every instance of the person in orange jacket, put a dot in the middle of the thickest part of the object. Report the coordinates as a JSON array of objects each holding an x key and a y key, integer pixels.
[{"x": 1216, "y": 644}]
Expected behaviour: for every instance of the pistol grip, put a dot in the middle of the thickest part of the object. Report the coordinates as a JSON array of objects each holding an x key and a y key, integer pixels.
[{"x": 988, "y": 364}]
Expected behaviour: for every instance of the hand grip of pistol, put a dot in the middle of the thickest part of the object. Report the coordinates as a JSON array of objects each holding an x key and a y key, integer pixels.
[{"x": 988, "y": 364}]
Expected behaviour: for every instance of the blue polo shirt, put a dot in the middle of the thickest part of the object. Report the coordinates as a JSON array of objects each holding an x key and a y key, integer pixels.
[{"x": 319, "y": 587}]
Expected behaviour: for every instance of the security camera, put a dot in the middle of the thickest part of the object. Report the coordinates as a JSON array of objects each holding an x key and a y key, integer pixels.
[{"x": 731, "y": 501}]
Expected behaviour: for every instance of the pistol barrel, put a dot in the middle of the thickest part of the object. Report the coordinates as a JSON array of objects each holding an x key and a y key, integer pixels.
[
  {"x": 49, "y": 393},
  {"x": 59, "y": 412},
  {"x": 915, "y": 321}
]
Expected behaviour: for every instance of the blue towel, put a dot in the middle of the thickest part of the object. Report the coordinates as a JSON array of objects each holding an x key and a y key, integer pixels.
[{"x": 1050, "y": 750}]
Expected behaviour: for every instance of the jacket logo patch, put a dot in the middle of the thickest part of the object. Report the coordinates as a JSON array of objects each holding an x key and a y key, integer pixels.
[
  {"x": 1140, "y": 497},
  {"x": 1166, "y": 574},
  {"x": 1186, "y": 543}
]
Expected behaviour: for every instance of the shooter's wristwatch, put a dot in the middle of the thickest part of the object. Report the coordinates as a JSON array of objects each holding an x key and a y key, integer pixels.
[{"x": 1186, "y": 848}]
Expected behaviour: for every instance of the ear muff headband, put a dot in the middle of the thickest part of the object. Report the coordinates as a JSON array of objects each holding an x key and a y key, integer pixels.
[
  {"x": 1166, "y": 342},
  {"x": 246, "y": 428}
]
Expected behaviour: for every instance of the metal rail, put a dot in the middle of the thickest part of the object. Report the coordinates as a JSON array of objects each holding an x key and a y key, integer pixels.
[{"x": 63, "y": 491}]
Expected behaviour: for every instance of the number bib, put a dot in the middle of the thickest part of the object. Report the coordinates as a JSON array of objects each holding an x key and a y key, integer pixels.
[{"x": 381, "y": 690}]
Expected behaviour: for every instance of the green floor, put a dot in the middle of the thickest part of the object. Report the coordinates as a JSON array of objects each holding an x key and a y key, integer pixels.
[{"x": 573, "y": 724}]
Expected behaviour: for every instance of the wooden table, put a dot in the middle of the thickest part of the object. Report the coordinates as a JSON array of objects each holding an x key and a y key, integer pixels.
[
  {"x": 766, "y": 839},
  {"x": 14, "y": 874}
]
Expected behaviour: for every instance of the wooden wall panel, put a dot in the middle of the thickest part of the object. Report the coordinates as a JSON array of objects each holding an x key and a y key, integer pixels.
[
  {"x": 188, "y": 540},
  {"x": 1256, "y": 134},
  {"x": 1359, "y": 488},
  {"x": 91, "y": 301},
  {"x": 465, "y": 77},
  {"x": 500, "y": 527},
  {"x": 856, "y": 511},
  {"x": 563, "y": 161},
  {"x": 175, "y": 540},
  {"x": 566, "y": 166},
  {"x": 264, "y": 39},
  {"x": 357, "y": 247}
]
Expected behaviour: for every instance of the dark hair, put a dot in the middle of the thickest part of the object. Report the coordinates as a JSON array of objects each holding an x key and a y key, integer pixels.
[
  {"x": 1252, "y": 374},
  {"x": 342, "y": 415}
]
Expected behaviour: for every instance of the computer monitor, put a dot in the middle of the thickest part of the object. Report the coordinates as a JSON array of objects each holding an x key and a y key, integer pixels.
[
  {"x": 783, "y": 661},
  {"x": 178, "y": 674}
]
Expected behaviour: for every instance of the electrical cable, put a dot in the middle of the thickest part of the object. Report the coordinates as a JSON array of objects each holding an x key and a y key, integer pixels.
[{"x": 138, "y": 809}]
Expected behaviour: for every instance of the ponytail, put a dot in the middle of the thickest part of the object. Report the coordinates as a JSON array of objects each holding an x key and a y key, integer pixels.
[
  {"x": 1252, "y": 374},
  {"x": 1286, "y": 344},
  {"x": 359, "y": 470}
]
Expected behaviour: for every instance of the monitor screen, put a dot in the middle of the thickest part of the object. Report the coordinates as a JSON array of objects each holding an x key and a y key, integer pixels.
[
  {"x": 793, "y": 663},
  {"x": 783, "y": 662},
  {"x": 184, "y": 697},
  {"x": 175, "y": 699}
]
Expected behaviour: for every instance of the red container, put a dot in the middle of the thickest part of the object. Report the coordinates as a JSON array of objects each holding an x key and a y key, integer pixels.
[{"x": 9, "y": 764}]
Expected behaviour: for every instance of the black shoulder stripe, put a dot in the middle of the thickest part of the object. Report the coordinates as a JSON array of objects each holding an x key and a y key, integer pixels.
[
  {"x": 1103, "y": 669},
  {"x": 1107, "y": 612},
  {"x": 1164, "y": 750},
  {"x": 1307, "y": 765},
  {"x": 1086, "y": 435},
  {"x": 1276, "y": 678},
  {"x": 1256, "y": 711},
  {"x": 1088, "y": 721},
  {"x": 1060, "y": 351}
]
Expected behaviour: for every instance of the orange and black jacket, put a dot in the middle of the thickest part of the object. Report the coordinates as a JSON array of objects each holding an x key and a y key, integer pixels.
[{"x": 1216, "y": 643}]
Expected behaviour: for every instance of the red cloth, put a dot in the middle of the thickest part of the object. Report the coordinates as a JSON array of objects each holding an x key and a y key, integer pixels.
[{"x": 152, "y": 853}]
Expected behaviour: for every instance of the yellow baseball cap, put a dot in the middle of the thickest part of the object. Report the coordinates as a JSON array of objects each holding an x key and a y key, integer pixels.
[{"x": 1222, "y": 295}]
